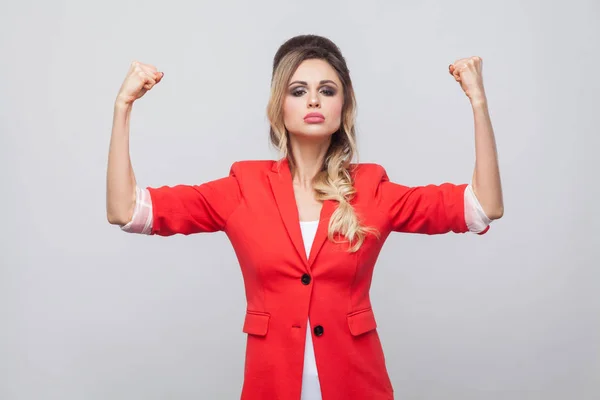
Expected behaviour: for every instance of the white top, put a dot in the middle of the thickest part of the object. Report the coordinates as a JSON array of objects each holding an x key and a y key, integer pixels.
[{"x": 311, "y": 389}]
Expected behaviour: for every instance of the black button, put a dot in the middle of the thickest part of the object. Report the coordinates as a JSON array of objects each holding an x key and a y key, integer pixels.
[
  {"x": 318, "y": 330},
  {"x": 305, "y": 279}
]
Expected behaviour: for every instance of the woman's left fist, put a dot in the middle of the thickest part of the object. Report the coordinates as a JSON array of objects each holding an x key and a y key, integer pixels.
[{"x": 467, "y": 72}]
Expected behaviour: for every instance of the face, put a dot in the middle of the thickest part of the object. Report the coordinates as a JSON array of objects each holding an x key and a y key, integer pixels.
[{"x": 313, "y": 89}]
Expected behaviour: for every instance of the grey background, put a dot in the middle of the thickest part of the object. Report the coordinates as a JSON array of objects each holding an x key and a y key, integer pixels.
[{"x": 90, "y": 312}]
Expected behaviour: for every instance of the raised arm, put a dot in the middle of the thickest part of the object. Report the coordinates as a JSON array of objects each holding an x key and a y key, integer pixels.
[
  {"x": 486, "y": 175},
  {"x": 120, "y": 179}
]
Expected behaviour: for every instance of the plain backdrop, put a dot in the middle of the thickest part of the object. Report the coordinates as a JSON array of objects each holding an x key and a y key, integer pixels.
[{"x": 90, "y": 312}]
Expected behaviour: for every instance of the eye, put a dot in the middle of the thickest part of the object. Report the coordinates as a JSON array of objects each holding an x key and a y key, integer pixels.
[
  {"x": 328, "y": 91},
  {"x": 297, "y": 92}
]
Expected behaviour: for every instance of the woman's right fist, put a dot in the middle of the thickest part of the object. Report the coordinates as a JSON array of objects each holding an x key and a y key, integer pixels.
[{"x": 140, "y": 78}]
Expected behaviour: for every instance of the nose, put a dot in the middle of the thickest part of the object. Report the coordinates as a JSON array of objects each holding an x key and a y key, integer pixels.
[{"x": 313, "y": 101}]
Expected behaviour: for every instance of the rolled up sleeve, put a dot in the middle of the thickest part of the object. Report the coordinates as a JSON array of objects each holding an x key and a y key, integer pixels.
[
  {"x": 188, "y": 209},
  {"x": 430, "y": 209}
]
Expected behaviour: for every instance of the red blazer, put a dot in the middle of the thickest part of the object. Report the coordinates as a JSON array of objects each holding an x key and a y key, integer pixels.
[{"x": 255, "y": 206}]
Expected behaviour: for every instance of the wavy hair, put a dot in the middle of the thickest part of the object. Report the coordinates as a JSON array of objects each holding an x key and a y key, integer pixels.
[{"x": 334, "y": 180}]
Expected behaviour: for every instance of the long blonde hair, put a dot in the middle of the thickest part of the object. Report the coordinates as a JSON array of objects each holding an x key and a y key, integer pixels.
[{"x": 334, "y": 180}]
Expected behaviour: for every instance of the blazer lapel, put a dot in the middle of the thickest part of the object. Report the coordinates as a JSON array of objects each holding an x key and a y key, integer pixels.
[
  {"x": 283, "y": 190},
  {"x": 321, "y": 234}
]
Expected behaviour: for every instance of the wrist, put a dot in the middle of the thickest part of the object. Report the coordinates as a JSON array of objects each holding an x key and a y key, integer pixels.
[
  {"x": 123, "y": 104},
  {"x": 479, "y": 101}
]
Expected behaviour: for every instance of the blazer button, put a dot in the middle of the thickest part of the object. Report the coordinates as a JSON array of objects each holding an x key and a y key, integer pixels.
[
  {"x": 305, "y": 279},
  {"x": 318, "y": 330}
]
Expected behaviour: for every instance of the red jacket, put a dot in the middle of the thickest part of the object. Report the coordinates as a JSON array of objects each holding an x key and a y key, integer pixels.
[{"x": 255, "y": 206}]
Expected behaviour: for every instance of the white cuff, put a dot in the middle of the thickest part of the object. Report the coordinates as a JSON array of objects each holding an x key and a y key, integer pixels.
[
  {"x": 141, "y": 221},
  {"x": 476, "y": 219}
]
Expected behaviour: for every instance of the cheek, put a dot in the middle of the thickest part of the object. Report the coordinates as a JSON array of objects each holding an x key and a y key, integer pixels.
[
  {"x": 291, "y": 108},
  {"x": 336, "y": 107}
]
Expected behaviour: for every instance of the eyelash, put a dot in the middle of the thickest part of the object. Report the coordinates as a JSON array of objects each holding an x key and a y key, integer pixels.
[{"x": 297, "y": 91}]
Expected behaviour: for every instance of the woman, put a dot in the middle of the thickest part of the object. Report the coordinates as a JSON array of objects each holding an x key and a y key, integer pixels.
[{"x": 307, "y": 228}]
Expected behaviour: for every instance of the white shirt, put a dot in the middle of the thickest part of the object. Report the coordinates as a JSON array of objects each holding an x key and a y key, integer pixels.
[{"x": 311, "y": 388}]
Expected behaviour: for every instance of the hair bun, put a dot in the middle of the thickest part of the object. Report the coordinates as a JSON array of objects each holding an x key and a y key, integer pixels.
[{"x": 319, "y": 45}]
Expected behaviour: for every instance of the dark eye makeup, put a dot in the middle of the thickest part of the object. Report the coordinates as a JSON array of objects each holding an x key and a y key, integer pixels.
[{"x": 299, "y": 91}]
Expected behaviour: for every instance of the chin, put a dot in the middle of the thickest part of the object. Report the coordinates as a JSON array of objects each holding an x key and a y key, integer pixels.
[{"x": 313, "y": 132}]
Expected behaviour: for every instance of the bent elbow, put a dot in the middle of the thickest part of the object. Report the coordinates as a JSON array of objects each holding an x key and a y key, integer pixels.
[
  {"x": 116, "y": 220},
  {"x": 496, "y": 213}
]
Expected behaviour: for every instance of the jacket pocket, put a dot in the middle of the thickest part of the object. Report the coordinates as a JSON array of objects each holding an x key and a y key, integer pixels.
[
  {"x": 361, "y": 321},
  {"x": 256, "y": 323}
]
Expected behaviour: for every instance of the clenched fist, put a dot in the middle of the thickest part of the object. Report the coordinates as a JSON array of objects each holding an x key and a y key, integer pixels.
[
  {"x": 468, "y": 72},
  {"x": 140, "y": 78}
]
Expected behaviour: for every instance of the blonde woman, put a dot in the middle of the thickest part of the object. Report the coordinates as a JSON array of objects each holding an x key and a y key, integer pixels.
[{"x": 307, "y": 228}]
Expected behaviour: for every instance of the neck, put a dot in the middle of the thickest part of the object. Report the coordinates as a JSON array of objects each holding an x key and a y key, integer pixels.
[{"x": 309, "y": 155}]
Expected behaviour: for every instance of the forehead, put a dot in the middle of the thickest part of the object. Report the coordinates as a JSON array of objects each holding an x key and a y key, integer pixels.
[{"x": 315, "y": 70}]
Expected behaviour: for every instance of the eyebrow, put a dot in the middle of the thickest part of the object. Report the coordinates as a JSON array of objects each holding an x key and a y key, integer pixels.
[{"x": 320, "y": 83}]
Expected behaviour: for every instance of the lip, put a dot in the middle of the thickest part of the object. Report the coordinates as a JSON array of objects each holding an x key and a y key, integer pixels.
[{"x": 314, "y": 117}]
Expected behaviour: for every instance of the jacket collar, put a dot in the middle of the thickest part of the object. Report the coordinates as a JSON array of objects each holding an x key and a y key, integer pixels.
[{"x": 280, "y": 178}]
